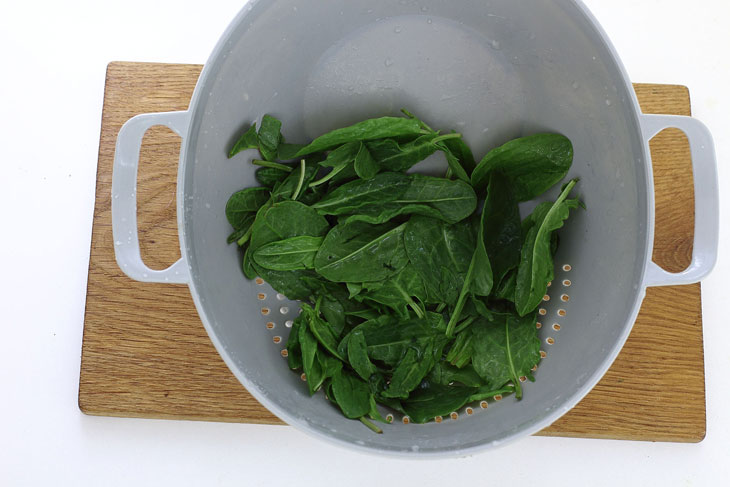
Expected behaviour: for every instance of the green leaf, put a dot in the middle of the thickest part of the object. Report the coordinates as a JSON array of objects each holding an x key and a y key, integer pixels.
[
  {"x": 461, "y": 151},
  {"x": 455, "y": 166},
  {"x": 347, "y": 198},
  {"x": 286, "y": 152},
  {"x": 293, "y": 347},
  {"x": 284, "y": 220},
  {"x": 244, "y": 233},
  {"x": 431, "y": 400},
  {"x": 289, "y": 254},
  {"x": 392, "y": 156},
  {"x": 361, "y": 252},
  {"x": 450, "y": 201},
  {"x": 502, "y": 227},
  {"x": 287, "y": 188},
  {"x": 536, "y": 261},
  {"x": 311, "y": 365},
  {"x": 413, "y": 367},
  {"x": 321, "y": 330},
  {"x": 243, "y": 204},
  {"x": 357, "y": 354},
  {"x": 441, "y": 255},
  {"x": 249, "y": 140},
  {"x": 365, "y": 166},
  {"x": 351, "y": 394},
  {"x": 269, "y": 176},
  {"x": 532, "y": 164},
  {"x": 375, "y": 128},
  {"x": 397, "y": 292},
  {"x": 505, "y": 349},
  {"x": 443, "y": 373},
  {"x": 269, "y": 137}
]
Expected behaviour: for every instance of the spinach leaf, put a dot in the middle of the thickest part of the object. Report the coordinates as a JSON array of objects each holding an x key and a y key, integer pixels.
[
  {"x": 392, "y": 156},
  {"x": 506, "y": 288},
  {"x": 365, "y": 166},
  {"x": 532, "y": 164},
  {"x": 292, "y": 185},
  {"x": 242, "y": 235},
  {"x": 249, "y": 140},
  {"x": 536, "y": 261},
  {"x": 351, "y": 394},
  {"x": 347, "y": 198},
  {"x": 455, "y": 167},
  {"x": 389, "y": 339},
  {"x": 321, "y": 330},
  {"x": 443, "y": 373},
  {"x": 505, "y": 349},
  {"x": 450, "y": 201},
  {"x": 374, "y": 128},
  {"x": 413, "y": 367},
  {"x": 286, "y": 152},
  {"x": 360, "y": 252},
  {"x": 478, "y": 279},
  {"x": 242, "y": 204},
  {"x": 288, "y": 254},
  {"x": 502, "y": 226},
  {"x": 431, "y": 400},
  {"x": 357, "y": 354},
  {"x": 284, "y": 220},
  {"x": 269, "y": 176},
  {"x": 269, "y": 137},
  {"x": 397, "y": 292},
  {"x": 461, "y": 152},
  {"x": 311, "y": 365},
  {"x": 441, "y": 255},
  {"x": 341, "y": 160},
  {"x": 293, "y": 347},
  {"x": 459, "y": 355}
]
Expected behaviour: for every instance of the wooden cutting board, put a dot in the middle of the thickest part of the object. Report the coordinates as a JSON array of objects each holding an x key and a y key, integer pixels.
[{"x": 145, "y": 352}]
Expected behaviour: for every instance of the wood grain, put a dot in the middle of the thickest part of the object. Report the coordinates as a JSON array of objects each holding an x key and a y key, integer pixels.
[{"x": 145, "y": 352}]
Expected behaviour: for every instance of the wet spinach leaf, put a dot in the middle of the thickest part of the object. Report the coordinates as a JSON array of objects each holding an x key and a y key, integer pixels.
[
  {"x": 533, "y": 164},
  {"x": 289, "y": 254}
]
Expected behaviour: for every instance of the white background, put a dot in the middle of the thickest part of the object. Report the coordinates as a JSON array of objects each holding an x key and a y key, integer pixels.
[{"x": 53, "y": 57}]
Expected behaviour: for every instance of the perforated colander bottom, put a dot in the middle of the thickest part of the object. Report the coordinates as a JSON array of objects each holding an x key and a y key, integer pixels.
[{"x": 278, "y": 315}]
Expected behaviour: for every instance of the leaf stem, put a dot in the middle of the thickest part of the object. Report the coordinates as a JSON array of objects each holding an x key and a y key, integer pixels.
[
  {"x": 515, "y": 379},
  {"x": 273, "y": 165},
  {"x": 464, "y": 324},
  {"x": 295, "y": 194},
  {"x": 410, "y": 115},
  {"x": 409, "y": 300},
  {"x": 335, "y": 170},
  {"x": 370, "y": 425},
  {"x": 244, "y": 238},
  {"x": 440, "y": 138}
]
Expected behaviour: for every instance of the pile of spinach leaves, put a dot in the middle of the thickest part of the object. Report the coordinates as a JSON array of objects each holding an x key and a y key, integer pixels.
[{"x": 411, "y": 297}]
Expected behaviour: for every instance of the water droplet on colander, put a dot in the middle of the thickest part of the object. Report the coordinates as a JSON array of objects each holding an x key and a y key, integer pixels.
[
  {"x": 496, "y": 44},
  {"x": 118, "y": 242},
  {"x": 594, "y": 58},
  {"x": 424, "y": 9},
  {"x": 608, "y": 102},
  {"x": 398, "y": 29},
  {"x": 388, "y": 62},
  {"x": 575, "y": 85},
  {"x": 429, "y": 21},
  {"x": 280, "y": 296}
]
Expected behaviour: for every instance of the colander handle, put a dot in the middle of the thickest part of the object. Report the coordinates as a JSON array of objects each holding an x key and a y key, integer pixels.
[
  {"x": 707, "y": 207},
  {"x": 124, "y": 200}
]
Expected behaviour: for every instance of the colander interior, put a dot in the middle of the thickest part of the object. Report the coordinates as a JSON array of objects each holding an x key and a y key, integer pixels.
[{"x": 491, "y": 70}]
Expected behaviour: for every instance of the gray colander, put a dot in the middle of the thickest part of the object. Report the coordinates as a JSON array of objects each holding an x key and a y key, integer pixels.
[{"x": 492, "y": 70}]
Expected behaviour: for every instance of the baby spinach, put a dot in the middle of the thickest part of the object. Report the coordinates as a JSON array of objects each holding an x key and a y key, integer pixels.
[
  {"x": 532, "y": 164},
  {"x": 249, "y": 140},
  {"x": 289, "y": 254},
  {"x": 269, "y": 136},
  {"x": 347, "y": 198},
  {"x": 243, "y": 204},
  {"x": 358, "y": 252},
  {"x": 450, "y": 201},
  {"x": 374, "y": 128},
  {"x": 413, "y": 295},
  {"x": 536, "y": 261},
  {"x": 441, "y": 255},
  {"x": 505, "y": 350}
]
